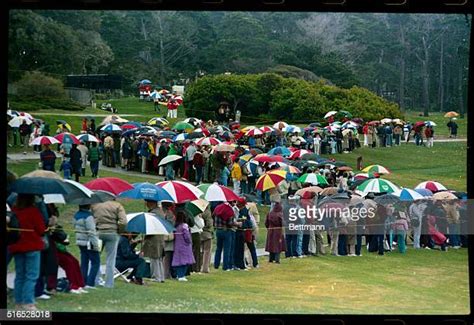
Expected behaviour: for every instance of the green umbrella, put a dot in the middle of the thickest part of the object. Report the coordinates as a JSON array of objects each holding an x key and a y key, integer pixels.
[
  {"x": 183, "y": 126},
  {"x": 315, "y": 179},
  {"x": 377, "y": 185},
  {"x": 345, "y": 114},
  {"x": 196, "y": 207}
]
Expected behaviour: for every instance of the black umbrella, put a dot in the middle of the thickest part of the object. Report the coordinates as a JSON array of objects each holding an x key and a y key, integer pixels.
[
  {"x": 387, "y": 199},
  {"x": 42, "y": 185},
  {"x": 97, "y": 197},
  {"x": 167, "y": 134},
  {"x": 310, "y": 156}
]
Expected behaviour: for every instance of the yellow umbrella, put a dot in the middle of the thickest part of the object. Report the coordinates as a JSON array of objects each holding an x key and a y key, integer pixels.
[
  {"x": 248, "y": 128},
  {"x": 270, "y": 180},
  {"x": 451, "y": 114}
]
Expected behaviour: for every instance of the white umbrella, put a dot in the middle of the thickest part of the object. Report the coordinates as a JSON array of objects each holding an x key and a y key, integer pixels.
[
  {"x": 54, "y": 198},
  {"x": 18, "y": 120},
  {"x": 113, "y": 119},
  {"x": 110, "y": 128},
  {"x": 386, "y": 120},
  {"x": 87, "y": 138},
  {"x": 169, "y": 159},
  {"x": 280, "y": 125},
  {"x": 330, "y": 113}
]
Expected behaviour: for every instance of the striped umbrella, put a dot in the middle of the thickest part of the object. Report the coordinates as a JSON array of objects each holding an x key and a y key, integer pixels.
[
  {"x": 406, "y": 194},
  {"x": 113, "y": 185},
  {"x": 270, "y": 180},
  {"x": 181, "y": 191},
  {"x": 43, "y": 140},
  {"x": 87, "y": 138},
  {"x": 376, "y": 169},
  {"x": 158, "y": 121},
  {"x": 196, "y": 207},
  {"x": 312, "y": 178},
  {"x": 148, "y": 224},
  {"x": 248, "y": 128},
  {"x": 282, "y": 151},
  {"x": 254, "y": 132},
  {"x": 423, "y": 191},
  {"x": 432, "y": 186},
  {"x": 147, "y": 191},
  {"x": 215, "y": 192},
  {"x": 110, "y": 128},
  {"x": 245, "y": 159},
  {"x": 183, "y": 126},
  {"x": 209, "y": 142},
  {"x": 290, "y": 169},
  {"x": 67, "y": 137},
  {"x": 377, "y": 185},
  {"x": 299, "y": 153},
  {"x": 266, "y": 129},
  {"x": 330, "y": 113}
]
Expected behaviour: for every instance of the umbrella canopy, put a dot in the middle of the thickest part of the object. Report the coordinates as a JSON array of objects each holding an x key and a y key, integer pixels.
[
  {"x": 299, "y": 153},
  {"x": 54, "y": 198},
  {"x": 406, "y": 194},
  {"x": 96, "y": 197},
  {"x": 350, "y": 125},
  {"x": 270, "y": 180},
  {"x": 398, "y": 121},
  {"x": 267, "y": 129},
  {"x": 67, "y": 137},
  {"x": 181, "y": 191},
  {"x": 344, "y": 169},
  {"x": 211, "y": 141},
  {"x": 293, "y": 129},
  {"x": 145, "y": 82},
  {"x": 330, "y": 113},
  {"x": 423, "y": 191},
  {"x": 386, "y": 120},
  {"x": 180, "y": 137},
  {"x": 224, "y": 147},
  {"x": 430, "y": 123},
  {"x": 418, "y": 124},
  {"x": 43, "y": 140},
  {"x": 110, "y": 128},
  {"x": 254, "y": 132},
  {"x": 451, "y": 114},
  {"x": 193, "y": 120},
  {"x": 18, "y": 120},
  {"x": 377, "y": 185},
  {"x": 376, "y": 169},
  {"x": 282, "y": 151},
  {"x": 183, "y": 126},
  {"x": 148, "y": 224},
  {"x": 313, "y": 178},
  {"x": 215, "y": 192},
  {"x": 169, "y": 159},
  {"x": 290, "y": 169},
  {"x": 445, "y": 195},
  {"x": 245, "y": 159},
  {"x": 310, "y": 156},
  {"x": 87, "y": 138},
  {"x": 41, "y": 185},
  {"x": 313, "y": 189},
  {"x": 362, "y": 176},
  {"x": 328, "y": 191},
  {"x": 268, "y": 158},
  {"x": 43, "y": 173},
  {"x": 280, "y": 125},
  {"x": 432, "y": 186},
  {"x": 224, "y": 211},
  {"x": 196, "y": 207},
  {"x": 147, "y": 191},
  {"x": 158, "y": 121},
  {"x": 113, "y": 185},
  {"x": 387, "y": 199},
  {"x": 130, "y": 126}
]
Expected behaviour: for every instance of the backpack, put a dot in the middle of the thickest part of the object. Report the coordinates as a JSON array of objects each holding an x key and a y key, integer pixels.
[{"x": 13, "y": 235}]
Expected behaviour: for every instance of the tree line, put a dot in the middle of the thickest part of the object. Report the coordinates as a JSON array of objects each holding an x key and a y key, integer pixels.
[{"x": 417, "y": 61}]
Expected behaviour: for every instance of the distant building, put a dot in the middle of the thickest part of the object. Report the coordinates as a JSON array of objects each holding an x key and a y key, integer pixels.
[{"x": 101, "y": 83}]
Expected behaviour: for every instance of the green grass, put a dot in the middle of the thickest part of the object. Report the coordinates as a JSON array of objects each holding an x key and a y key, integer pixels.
[{"x": 441, "y": 130}]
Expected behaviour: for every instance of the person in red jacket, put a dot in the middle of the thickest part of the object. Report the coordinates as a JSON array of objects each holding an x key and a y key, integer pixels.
[{"x": 26, "y": 250}]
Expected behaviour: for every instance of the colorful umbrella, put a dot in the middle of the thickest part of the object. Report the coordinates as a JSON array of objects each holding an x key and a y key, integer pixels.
[
  {"x": 377, "y": 185},
  {"x": 43, "y": 140},
  {"x": 193, "y": 120},
  {"x": 299, "y": 153},
  {"x": 43, "y": 185},
  {"x": 290, "y": 169},
  {"x": 18, "y": 120},
  {"x": 130, "y": 126},
  {"x": 224, "y": 147},
  {"x": 386, "y": 121},
  {"x": 313, "y": 189},
  {"x": 268, "y": 158},
  {"x": 196, "y": 207},
  {"x": 432, "y": 186},
  {"x": 245, "y": 159},
  {"x": 148, "y": 224},
  {"x": 181, "y": 191},
  {"x": 280, "y": 125},
  {"x": 312, "y": 178},
  {"x": 183, "y": 126},
  {"x": 282, "y": 151},
  {"x": 253, "y": 132},
  {"x": 113, "y": 185},
  {"x": 224, "y": 211},
  {"x": 345, "y": 114},
  {"x": 110, "y": 128},
  {"x": 376, "y": 169},
  {"x": 406, "y": 194},
  {"x": 248, "y": 128},
  {"x": 67, "y": 137},
  {"x": 158, "y": 121},
  {"x": 211, "y": 141},
  {"x": 147, "y": 191},
  {"x": 266, "y": 129},
  {"x": 292, "y": 129},
  {"x": 96, "y": 197},
  {"x": 180, "y": 137},
  {"x": 423, "y": 191},
  {"x": 451, "y": 114},
  {"x": 430, "y": 123},
  {"x": 445, "y": 195},
  {"x": 270, "y": 180},
  {"x": 215, "y": 192},
  {"x": 87, "y": 138}
]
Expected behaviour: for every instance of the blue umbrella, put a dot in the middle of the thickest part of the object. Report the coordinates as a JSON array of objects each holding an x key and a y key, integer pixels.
[
  {"x": 406, "y": 194},
  {"x": 283, "y": 151},
  {"x": 129, "y": 132},
  {"x": 111, "y": 128},
  {"x": 423, "y": 191},
  {"x": 145, "y": 81},
  {"x": 167, "y": 134},
  {"x": 147, "y": 191},
  {"x": 180, "y": 137},
  {"x": 148, "y": 224},
  {"x": 43, "y": 185}
]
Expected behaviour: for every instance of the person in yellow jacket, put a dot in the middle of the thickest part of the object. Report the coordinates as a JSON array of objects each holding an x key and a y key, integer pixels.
[{"x": 236, "y": 174}]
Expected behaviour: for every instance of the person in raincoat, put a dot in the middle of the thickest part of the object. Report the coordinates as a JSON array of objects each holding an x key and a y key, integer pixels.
[
  {"x": 153, "y": 246},
  {"x": 275, "y": 243},
  {"x": 183, "y": 253}
]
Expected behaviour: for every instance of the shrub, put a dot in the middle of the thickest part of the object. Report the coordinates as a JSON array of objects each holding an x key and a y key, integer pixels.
[{"x": 36, "y": 84}]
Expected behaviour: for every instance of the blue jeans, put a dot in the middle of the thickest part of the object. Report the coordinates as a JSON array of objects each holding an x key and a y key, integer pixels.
[
  {"x": 291, "y": 245},
  {"x": 454, "y": 239},
  {"x": 27, "y": 268},
  {"x": 299, "y": 244},
  {"x": 110, "y": 243},
  {"x": 94, "y": 167},
  {"x": 401, "y": 234},
  {"x": 223, "y": 238},
  {"x": 342, "y": 245},
  {"x": 94, "y": 258},
  {"x": 181, "y": 271},
  {"x": 198, "y": 174}
]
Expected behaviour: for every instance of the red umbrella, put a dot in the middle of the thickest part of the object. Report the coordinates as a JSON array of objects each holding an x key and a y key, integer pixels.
[
  {"x": 110, "y": 184},
  {"x": 128, "y": 127},
  {"x": 67, "y": 137},
  {"x": 268, "y": 158},
  {"x": 224, "y": 211}
]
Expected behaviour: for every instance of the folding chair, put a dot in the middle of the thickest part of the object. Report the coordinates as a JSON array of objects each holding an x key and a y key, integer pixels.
[{"x": 122, "y": 274}]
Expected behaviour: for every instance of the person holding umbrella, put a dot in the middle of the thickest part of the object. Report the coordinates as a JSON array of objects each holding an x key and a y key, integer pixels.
[{"x": 153, "y": 246}]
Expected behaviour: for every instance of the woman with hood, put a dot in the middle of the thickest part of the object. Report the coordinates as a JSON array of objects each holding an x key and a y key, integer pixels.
[{"x": 275, "y": 236}]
